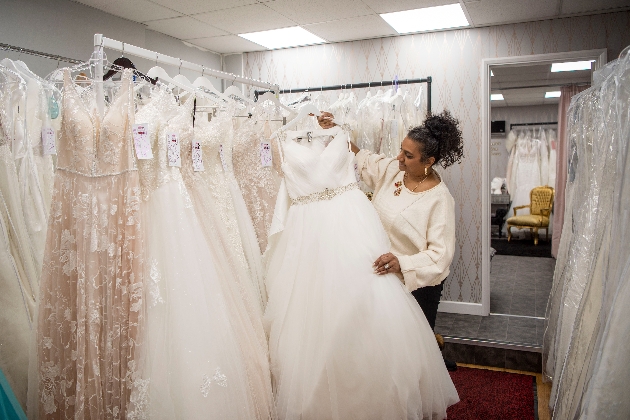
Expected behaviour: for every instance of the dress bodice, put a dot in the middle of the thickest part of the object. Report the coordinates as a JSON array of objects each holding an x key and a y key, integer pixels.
[
  {"x": 92, "y": 145},
  {"x": 310, "y": 170}
]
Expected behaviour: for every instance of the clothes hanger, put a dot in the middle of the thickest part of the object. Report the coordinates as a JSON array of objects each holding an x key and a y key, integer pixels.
[
  {"x": 306, "y": 110},
  {"x": 234, "y": 91},
  {"x": 202, "y": 82},
  {"x": 270, "y": 96}
]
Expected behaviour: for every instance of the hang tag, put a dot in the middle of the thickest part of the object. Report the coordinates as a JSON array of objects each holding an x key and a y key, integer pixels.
[
  {"x": 48, "y": 141},
  {"x": 222, "y": 156},
  {"x": 141, "y": 141},
  {"x": 265, "y": 154},
  {"x": 174, "y": 155},
  {"x": 356, "y": 172},
  {"x": 394, "y": 129},
  {"x": 197, "y": 157}
]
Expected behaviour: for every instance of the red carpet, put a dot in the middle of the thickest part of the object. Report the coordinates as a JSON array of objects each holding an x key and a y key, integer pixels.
[{"x": 490, "y": 395}]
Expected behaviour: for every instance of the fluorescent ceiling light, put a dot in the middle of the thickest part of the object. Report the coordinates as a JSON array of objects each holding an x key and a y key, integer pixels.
[
  {"x": 283, "y": 38},
  {"x": 427, "y": 19},
  {"x": 554, "y": 94},
  {"x": 496, "y": 97},
  {"x": 571, "y": 66}
]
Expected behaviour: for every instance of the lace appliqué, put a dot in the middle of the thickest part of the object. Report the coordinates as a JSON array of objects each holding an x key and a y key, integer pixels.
[
  {"x": 154, "y": 284},
  {"x": 327, "y": 194},
  {"x": 218, "y": 378}
]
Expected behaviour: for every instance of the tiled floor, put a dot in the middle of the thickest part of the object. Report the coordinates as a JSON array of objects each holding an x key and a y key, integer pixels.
[
  {"x": 520, "y": 285},
  {"x": 505, "y": 328}
]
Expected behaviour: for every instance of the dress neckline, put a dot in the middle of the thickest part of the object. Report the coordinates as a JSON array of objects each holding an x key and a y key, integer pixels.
[{"x": 125, "y": 79}]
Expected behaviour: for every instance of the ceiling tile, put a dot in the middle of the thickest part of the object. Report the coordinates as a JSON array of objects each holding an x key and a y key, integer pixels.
[
  {"x": 380, "y": 6},
  {"x": 245, "y": 19},
  {"x": 495, "y": 12},
  {"x": 137, "y": 10},
  {"x": 362, "y": 27},
  {"x": 309, "y": 11},
  {"x": 582, "y": 6},
  {"x": 228, "y": 44},
  {"x": 191, "y": 7},
  {"x": 184, "y": 28}
]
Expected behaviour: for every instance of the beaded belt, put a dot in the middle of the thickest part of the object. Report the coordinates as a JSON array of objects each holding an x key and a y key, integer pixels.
[{"x": 327, "y": 194}]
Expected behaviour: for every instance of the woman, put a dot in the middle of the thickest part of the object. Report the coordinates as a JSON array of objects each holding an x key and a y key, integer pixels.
[{"x": 416, "y": 207}]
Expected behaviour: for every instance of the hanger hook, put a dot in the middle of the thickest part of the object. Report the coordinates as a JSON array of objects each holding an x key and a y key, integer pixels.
[
  {"x": 123, "y": 50},
  {"x": 235, "y": 76},
  {"x": 203, "y": 68},
  {"x": 180, "y": 66}
]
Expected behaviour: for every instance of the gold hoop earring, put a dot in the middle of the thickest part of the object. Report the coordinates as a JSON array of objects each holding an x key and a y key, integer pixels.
[{"x": 426, "y": 172}]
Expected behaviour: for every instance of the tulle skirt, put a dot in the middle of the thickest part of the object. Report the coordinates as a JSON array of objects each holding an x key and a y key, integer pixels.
[
  {"x": 346, "y": 343},
  {"x": 194, "y": 367}
]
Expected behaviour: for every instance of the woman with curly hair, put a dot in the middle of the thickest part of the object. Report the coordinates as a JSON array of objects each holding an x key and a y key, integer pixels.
[{"x": 416, "y": 207}]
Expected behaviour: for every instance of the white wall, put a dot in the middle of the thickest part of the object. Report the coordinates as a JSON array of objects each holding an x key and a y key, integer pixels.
[
  {"x": 512, "y": 115},
  {"x": 66, "y": 28},
  {"x": 453, "y": 58}
]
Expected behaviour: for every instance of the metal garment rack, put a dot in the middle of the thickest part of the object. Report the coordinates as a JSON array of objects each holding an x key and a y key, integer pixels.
[
  {"x": 532, "y": 124},
  {"x": 7, "y": 47},
  {"x": 428, "y": 80},
  {"x": 101, "y": 42}
]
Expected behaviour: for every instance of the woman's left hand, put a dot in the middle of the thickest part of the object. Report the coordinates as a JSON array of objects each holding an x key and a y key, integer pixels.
[{"x": 387, "y": 263}]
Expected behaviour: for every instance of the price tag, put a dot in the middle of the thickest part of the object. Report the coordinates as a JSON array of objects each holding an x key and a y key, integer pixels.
[
  {"x": 265, "y": 154},
  {"x": 48, "y": 141},
  {"x": 197, "y": 157},
  {"x": 394, "y": 129},
  {"x": 141, "y": 141},
  {"x": 174, "y": 155},
  {"x": 222, "y": 156}
]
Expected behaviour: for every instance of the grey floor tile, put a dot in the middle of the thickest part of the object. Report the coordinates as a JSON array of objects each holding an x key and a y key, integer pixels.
[
  {"x": 490, "y": 356},
  {"x": 465, "y": 326},
  {"x": 522, "y": 308},
  {"x": 522, "y": 335},
  {"x": 518, "y": 322},
  {"x": 523, "y": 360},
  {"x": 493, "y": 327}
]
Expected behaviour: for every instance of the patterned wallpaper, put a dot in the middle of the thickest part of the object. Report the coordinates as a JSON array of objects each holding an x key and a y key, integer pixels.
[{"x": 453, "y": 58}]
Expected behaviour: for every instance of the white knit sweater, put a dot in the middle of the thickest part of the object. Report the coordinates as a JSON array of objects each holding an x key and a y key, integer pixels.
[{"x": 421, "y": 226}]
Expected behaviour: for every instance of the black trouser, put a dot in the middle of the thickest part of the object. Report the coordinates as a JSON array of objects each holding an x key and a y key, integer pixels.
[{"x": 429, "y": 298}]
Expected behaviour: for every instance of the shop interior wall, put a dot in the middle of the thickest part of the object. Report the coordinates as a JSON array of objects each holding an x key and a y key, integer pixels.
[
  {"x": 453, "y": 59},
  {"x": 66, "y": 28},
  {"x": 499, "y": 155}
]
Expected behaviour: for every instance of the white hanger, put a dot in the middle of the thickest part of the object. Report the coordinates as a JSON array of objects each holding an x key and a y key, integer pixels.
[
  {"x": 202, "y": 82},
  {"x": 163, "y": 76},
  {"x": 304, "y": 112},
  {"x": 270, "y": 96},
  {"x": 233, "y": 90}
]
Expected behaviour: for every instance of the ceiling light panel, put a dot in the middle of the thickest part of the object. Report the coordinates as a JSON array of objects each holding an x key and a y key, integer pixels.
[
  {"x": 496, "y": 97},
  {"x": 554, "y": 94},
  {"x": 283, "y": 38},
  {"x": 571, "y": 66},
  {"x": 427, "y": 19}
]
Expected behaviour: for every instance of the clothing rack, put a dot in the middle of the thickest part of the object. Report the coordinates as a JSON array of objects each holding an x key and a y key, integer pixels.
[
  {"x": 428, "y": 80},
  {"x": 531, "y": 124},
  {"x": 7, "y": 47},
  {"x": 101, "y": 42}
]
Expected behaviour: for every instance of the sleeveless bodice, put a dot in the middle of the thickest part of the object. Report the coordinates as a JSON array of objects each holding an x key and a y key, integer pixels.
[
  {"x": 92, "y": 145},
  {"x": 312, "y": 170}
]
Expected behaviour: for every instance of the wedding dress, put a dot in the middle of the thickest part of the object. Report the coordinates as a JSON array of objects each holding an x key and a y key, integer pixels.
[
  {"x": 212, "y": 202},
  {"x": 525, "y": 171},
  {"x": 91, "y": 310},
  {"x": 194, "y": 368},
  {"x": 344, "y": 342}
]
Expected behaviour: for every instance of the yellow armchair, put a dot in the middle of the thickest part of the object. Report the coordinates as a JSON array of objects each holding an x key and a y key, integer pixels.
[{"x": 541, "y": 203}]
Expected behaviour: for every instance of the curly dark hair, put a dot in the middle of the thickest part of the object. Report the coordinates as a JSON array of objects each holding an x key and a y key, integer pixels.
[{"x": 440, "y": 138}]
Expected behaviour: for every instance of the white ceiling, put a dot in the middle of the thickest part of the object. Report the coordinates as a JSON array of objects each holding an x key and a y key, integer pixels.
[
  {"x": 214, "y": 24},
  {"x": 526, "y": 85}
]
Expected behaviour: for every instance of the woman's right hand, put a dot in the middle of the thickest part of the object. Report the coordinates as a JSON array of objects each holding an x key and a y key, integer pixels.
[{"x": 325, "y": 120}]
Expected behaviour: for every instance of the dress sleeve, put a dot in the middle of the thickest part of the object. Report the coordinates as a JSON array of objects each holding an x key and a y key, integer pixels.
[
  {"x": 372, "y": 167},
  {"x": 431, "y": 266}
]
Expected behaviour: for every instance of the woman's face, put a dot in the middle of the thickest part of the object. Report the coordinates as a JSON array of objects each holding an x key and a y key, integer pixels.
[{"x": 410, "y": 158}]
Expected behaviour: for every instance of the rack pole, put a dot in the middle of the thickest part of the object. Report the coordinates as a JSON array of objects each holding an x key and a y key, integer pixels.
[
  {"x": 429, "y": 81},
  {"x": 103, "y": 42},
  {"x": 7, "y": 47},
  {"x": 531, "y": 124}
]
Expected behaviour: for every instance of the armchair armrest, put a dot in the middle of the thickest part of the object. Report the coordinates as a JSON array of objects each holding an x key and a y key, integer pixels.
[
  {"x": 520, "y": 207},
  {"x": 545, "y": 212}
]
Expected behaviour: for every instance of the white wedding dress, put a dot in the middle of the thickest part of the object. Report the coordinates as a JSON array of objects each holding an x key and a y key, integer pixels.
[
  {"x": 195, "y": 367},
  {"x": 345, "y": 343}
]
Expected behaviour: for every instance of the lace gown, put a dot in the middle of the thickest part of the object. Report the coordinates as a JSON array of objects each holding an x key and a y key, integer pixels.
[
  {"x": 91, "y": 297},
  {"x": 525, "y": 172},
  {"x": 345, "y": 343},
  {"x": 212, "y": 201},
  {"x": 194, "y": 366}
]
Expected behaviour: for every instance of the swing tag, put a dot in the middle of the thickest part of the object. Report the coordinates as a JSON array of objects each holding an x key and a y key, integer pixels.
[
  {"x": 197, "y": 157},
  {"x": 265, "y": 154},
  {"x": 141, "y": 141},
  {"x": 394, "y": 129},
  {"x": 48, "y": 141},
  {"x": 222, "y": 156},
  {"x": 174, "y": 155}
]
